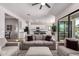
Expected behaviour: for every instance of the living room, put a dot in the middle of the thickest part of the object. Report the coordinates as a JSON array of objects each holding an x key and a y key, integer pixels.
[{"x": 39, "y": 29}]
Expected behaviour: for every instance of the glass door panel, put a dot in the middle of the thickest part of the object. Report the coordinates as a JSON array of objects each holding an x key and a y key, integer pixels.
[
  {"x": 63, "y": 29},
  {"x": 75, "y": 26}
]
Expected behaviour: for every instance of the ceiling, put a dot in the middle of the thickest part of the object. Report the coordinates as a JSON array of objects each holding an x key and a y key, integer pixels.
[{"x": 24, "y": 10}]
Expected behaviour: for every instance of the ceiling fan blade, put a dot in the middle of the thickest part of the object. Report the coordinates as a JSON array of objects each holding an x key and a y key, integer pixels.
[
  {"x": 47, "y": 5},
  {"x": 40, "y": 6},
  {"x": 34, "y": 4}
]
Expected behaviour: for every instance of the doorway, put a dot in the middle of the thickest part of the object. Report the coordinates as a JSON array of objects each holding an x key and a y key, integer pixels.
[{"x": 11, "y": 28}]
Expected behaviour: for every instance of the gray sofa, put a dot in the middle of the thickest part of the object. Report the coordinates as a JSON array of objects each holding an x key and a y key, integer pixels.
[
  {"x": 8, "y": 48},
  {"x": 62, "y": 50},
  {"x": 38, "y": 40}
]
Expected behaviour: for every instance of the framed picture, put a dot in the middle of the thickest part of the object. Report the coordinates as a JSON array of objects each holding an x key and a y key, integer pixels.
[{"x": 9, "y": 27}]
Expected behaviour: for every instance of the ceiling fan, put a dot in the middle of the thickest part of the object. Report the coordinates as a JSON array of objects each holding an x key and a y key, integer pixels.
[{"x": 41, "y": 5}]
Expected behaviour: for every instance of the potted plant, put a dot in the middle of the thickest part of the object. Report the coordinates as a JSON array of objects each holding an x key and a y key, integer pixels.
[{"x": 53, "y": 29}]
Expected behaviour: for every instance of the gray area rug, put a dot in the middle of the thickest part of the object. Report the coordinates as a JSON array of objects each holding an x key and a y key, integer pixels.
[{"x": 23, "y": 52}]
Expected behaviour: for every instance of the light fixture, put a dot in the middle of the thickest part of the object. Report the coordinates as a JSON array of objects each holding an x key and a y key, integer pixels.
[
  {"x": 17, "y": 40},
  {"x": 42, "y": 3}
]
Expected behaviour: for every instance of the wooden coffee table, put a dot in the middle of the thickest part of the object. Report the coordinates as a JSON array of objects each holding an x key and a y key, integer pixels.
[{"x": 39, "y": 51}]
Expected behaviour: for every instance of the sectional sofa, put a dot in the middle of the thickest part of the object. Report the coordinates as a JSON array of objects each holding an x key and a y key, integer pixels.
[
  {"x": 69, "y": 48},
  {"x": 38, "y": 40}
]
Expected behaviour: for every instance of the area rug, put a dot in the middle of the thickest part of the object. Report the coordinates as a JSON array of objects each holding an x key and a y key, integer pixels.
[{"x": 23, "y": 52}]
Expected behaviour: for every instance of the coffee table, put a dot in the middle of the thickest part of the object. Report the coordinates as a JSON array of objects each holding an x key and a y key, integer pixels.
[{"x": 39, "y": 51}]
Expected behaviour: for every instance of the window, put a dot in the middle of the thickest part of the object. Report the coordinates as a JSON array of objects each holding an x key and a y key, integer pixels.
[
  {"x": 75, "y": 26},
  {"x": 63, "y": 28},
  {"x": 68, "y": 26}
]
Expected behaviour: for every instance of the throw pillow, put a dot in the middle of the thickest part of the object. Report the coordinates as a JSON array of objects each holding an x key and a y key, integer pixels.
[
  {"x": 48, "y": 38},
  {"x": 29, "y": 38},
  {"x": 72, "y": 44}
]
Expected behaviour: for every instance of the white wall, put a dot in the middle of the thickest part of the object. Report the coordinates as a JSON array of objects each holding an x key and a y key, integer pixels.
[
  {"x": 2, "y": 20},
  {"x": 2, "y": 23},
  {"x": 22, "y": 25}
]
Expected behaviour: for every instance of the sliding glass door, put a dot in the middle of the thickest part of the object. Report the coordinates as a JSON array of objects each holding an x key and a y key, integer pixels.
[
  {"x": 75, "y": 26},
  {"x": 68, "y": 26},
  {"x": 63, "y": 28}
]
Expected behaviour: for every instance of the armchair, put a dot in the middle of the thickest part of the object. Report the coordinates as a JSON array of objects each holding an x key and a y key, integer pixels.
[{"x": 8, "y": 48}]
